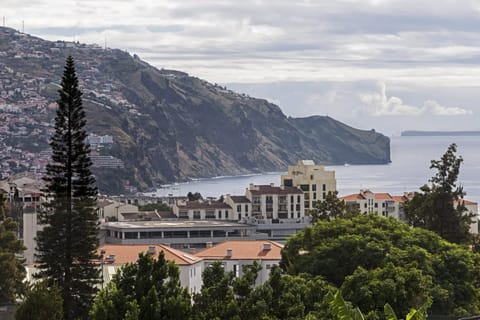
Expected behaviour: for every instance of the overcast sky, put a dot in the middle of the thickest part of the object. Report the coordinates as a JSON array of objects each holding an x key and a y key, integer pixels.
[{"x": 388, "y": 65}]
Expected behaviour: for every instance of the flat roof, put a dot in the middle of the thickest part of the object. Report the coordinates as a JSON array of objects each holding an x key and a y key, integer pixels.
[{"x": 174, "y": 224}]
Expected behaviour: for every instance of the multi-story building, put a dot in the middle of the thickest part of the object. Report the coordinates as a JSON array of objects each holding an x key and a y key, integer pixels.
[
  {"x": 235, "y": 255},
  {"x": 204, "y": 210},
  {"x": 313, "y": 179},
  {"x": 392, "y": 206},
  {"x": 241, "y": 206},
  {"x": 276, "y": 203},
  {"x": 115, "y": 256},
  {"x": 381, "y": 203}
]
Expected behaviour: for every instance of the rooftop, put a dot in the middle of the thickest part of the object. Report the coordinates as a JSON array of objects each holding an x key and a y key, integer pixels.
[
  {"x": 240, "y": 199},
  {"x": 204, "y": 205},
  {"x": 129, "y": 253},
  {"x": 174, "y": 224},
  {"x": 270, "y": 189},
  {"x": 243, "y": 249}
]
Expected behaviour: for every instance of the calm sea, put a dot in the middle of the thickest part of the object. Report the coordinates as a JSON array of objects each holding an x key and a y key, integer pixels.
[{"x": 408, "y": 171}]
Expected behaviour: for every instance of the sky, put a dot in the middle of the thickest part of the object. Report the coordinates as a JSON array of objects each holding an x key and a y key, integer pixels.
[{"x": 383, "y": 64}]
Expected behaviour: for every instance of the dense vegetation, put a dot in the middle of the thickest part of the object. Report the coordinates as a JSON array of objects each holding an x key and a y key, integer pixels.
[{"x": 375, "y": 260}]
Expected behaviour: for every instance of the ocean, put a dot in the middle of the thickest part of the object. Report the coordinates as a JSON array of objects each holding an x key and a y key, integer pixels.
[{"x": 408, "y": 171}]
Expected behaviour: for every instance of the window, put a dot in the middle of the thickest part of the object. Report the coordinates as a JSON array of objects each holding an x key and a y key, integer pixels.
[
  {"x": 365, "y": 205},
  {"x": 226, "y": 214},
  {"x": 383, "y": 204},
  {"x": 256, "y": 200},
  {"x": 292, "y": 199},
  {"x": 305, "y": 187},
  {"x": 324, "y": 187},
  {"x": 269, "y": 199},
  {"x": 196, "y": 214},
  {"x": 314, "y": 187},
  {"x": 314, "y": 196},
  {"x": 210, "y": 214},
  {"x": 324, "y": 195},
  {"x": 376, "y": 205},
  {"x": 239, "y": 208},
  {"x": 298, "y": 198},
  {"x": 131, "y": 235},
  {"x": 219, "y": 214},
  {"x": 183, "y": 215},
  {"x": 246, "y": 208},
  {"x": 291, "y": 207},
  {"x": 288, "y": 183}
]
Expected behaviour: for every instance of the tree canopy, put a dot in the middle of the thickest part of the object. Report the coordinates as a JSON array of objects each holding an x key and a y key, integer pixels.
[
  {"x": 146, "y": 290},
  {"x": 376, "y": 260},
  {"x": 12, "y": 272},
  {"x": 67, "y": 244},
  {"x": 332, "y": 207},
  {"x": 438, "y": 207}
]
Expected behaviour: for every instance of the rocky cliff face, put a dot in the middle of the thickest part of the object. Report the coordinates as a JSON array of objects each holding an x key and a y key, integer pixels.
[{"x": 169, "y": 126}]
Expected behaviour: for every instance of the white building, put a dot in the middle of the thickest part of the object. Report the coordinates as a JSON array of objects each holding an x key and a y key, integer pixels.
[
  {"x": 116, "y": 255},
  {"x": 234, "y": 255}
]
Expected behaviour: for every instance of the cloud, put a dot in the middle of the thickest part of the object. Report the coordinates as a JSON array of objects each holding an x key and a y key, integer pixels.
[{"x": 379, "y": 104}]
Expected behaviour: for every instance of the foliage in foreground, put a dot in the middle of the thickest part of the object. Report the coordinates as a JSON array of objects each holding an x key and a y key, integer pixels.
[
  {"x": 146, "y": 290},
  {"x": 12, "y": 271},
  {"x": 41, "y": 302},
  {"x": 374, "y": 261}
]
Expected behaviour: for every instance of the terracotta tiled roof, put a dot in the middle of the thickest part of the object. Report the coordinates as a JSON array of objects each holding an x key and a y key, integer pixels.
[
  {"x": 204, "y": 205},
  {"x": 239, "y": 199},
  {"x": 400, "y": 199},
  {"x": 129, "y": 253},
  {"x": 383, "y": 196},
  {"x": 465, "y": 202},
  {"x": 352, "y": 197},
  {"x": 267, "y": 189},
  {"x": 243, "y": 250}
]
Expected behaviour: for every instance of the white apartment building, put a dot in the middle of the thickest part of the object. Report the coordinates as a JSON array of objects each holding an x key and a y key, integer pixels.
[
  {"x": 235, "y": 255},
  {"x": 381, "y": 203},
  {"x": 392, "y": 206},
  {"x": 313, "y": 179},
  {"x": 204, "y": 210},
  {"x": 276, "y": 203},
  {"x": 241, "y": 206}
]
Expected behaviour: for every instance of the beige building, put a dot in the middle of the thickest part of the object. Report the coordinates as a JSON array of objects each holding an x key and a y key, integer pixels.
[
  {"x": 313, "y": 179},
  {"x": 241, "y": 206}
]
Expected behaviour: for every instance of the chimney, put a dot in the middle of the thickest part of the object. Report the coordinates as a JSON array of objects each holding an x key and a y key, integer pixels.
[
  {"x": 209, "y": 244},
  {"x": 152, "y": 250},
  {"x": 111, "y": 258},
  {"x": 229, "y": 253},
  {"x": 267, "y": 246}
]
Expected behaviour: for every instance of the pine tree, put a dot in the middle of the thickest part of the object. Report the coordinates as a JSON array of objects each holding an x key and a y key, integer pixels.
[{"x": 67, "y": 245}]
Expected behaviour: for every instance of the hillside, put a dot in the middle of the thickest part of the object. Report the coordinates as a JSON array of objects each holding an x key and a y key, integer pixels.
[{"x": 169, "y": 126}]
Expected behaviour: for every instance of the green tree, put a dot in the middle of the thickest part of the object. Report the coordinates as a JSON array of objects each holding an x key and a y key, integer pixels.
[
  {"x": 333, "y": 207},
  {"x": 41, "y": 302},
  {"x": 67, "y": 245},
  {"x": 12, "y": 272},
  {"x": 438, "y": 207},
  {"x": 376, "y": 260},
  {"x": 216, "y": 299},
  {"x": 148, "y": 289},
  {"x": 194, "y": 196}
]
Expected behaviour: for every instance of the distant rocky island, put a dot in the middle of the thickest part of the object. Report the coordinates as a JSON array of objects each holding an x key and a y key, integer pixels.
[
  {"x": 166, "y": 126},
  {"x": 416, "y": 133}
]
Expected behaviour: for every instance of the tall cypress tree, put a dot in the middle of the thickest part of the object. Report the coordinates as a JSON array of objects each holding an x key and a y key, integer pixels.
[{"x": 67, "y": 245}]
